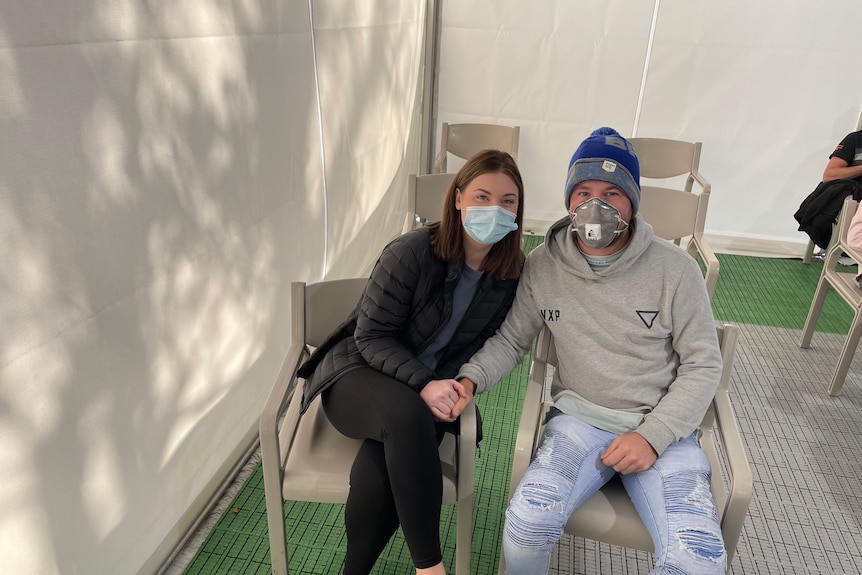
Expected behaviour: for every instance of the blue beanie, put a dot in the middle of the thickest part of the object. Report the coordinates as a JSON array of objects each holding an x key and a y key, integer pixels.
[{"x": 608, "y": 157}]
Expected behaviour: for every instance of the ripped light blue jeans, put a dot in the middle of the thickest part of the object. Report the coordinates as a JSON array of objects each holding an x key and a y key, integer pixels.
[{"x": 672, "y": 497}]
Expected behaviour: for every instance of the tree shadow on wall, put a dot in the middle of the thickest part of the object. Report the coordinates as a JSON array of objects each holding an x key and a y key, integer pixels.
[{"x": 144, "y": 263}]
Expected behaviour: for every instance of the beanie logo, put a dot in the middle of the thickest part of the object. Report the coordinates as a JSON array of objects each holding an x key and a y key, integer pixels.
[
  {"x": 648, "y": 317},
  {"x": 609, "y": 166}
]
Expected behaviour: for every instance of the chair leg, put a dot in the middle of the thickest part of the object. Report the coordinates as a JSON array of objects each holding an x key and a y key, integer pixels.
[
  {"x": 809, "y": 251},
  {"x": 275, "y": 522},
  {"x": 464, "y": 540},
  {"x": 814, "y": 312},
  {"x": 847, "y": 353},
  {"x": 277, "y": 545}
]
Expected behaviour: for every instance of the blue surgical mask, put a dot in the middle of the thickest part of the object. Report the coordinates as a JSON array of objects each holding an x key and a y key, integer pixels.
[{"x": 489, "y": 224}]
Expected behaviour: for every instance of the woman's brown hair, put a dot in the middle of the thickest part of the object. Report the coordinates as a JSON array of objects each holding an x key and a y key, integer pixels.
[{"x": 506, "y": 257}]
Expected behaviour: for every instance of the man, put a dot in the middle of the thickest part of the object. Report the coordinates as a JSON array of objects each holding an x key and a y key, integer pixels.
[
  {"x": 841, "y": 178},
  {"x": 845, "y": 163},
  {"x": 638, "y": 365}
]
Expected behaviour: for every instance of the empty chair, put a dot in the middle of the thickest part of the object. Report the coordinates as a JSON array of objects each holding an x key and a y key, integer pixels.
[
  {"x": 464, "y": 140},
  {"x": 306, "y": 459},
  {"x": 845, "y": 284},
  {"x": 425, "y": 196},
  {"x": 680, "y": 211},
  {"x": 609, "y": 515}
]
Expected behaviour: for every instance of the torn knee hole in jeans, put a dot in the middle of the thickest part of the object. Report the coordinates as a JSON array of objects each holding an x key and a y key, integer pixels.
[
  {"x": 697, "y": 498},
  {"x": 540, "y": 495},
  {"x": 701, "y": 499},
  {"x": 703, "y": 544},
  {"x": 559, "y": 455},
  {"x": 545, "y": 451}
]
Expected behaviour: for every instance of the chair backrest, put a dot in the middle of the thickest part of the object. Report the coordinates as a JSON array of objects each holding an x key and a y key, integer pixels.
[
  {"x": 667, "y": 160},
  {"x": 326, "y": 305},
  {"x": 425, "y": 195},
  {"x": 464, "y": 140},
  {"x": 671, "y": 207},
  {"x": 673, "y": 214},
  {"x": 661, "y": 158}
]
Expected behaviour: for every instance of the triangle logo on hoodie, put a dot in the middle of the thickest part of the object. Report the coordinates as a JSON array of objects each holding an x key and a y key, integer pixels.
[{"x": 648, "y": 317}]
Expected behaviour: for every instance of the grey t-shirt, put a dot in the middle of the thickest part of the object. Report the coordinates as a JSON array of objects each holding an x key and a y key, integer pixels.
[{"x": 464, "y": 292}]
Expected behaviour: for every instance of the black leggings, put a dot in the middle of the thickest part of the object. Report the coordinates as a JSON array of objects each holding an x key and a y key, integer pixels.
[{"x": 396, "y": 477}]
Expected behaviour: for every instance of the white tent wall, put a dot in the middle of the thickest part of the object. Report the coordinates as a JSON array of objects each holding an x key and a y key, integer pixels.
[
  {"x": 369, "y": 70},
  {"x": 769, "y": 87},
  {"x": 166, "y": 170}
]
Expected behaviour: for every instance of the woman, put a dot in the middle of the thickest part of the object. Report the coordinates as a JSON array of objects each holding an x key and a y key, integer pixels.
[{"x": 435, "y": 295}]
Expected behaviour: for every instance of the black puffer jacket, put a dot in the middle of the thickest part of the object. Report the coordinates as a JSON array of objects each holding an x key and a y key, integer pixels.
[
  {"x": 406, "y": 303},
  {"x": 820, "y": 209}
]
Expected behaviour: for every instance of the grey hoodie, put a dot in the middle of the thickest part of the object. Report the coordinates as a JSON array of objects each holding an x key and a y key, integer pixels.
[{"x": 638, "y": 337}]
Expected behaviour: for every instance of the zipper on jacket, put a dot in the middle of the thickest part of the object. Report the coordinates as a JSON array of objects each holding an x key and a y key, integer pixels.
[{"x": 448, "y": 303}]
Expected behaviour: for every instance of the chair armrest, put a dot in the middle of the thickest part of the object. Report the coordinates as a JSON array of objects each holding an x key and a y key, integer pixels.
[
  {"x": 740, "y": 482},
  {"x": 852, "y": 252},
  {"x": 706, "y": 187},
  {"x": 440, "y": 163},
  {"x": 270, "y": 450},
  {"x": 277, "y": 402},
  {"x": 467, "y": 452},
  {"x": 528, "y": 424},
  {"x": 708, "y": 256}
]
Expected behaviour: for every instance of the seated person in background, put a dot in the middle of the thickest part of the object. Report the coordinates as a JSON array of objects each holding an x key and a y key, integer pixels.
[
  {"x": 435, "y": 295},
  {"x": 845, "y": 163},
  {"x": 639, "y": 363},
  {"x": 841, "y": 178}
]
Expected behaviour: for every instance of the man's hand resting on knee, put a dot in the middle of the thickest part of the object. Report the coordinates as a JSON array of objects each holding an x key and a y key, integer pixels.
[{"x": 629, "y": 453}]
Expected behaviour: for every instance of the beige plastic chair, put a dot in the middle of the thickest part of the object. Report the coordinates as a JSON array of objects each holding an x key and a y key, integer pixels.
[
  {"x": 464, "y": 140},
  {"x": 306, "y": 459},
  {"x": 425, "y": 195},
  {"x": 846, "y": 286},
  {"x": 676, "y": 213},
  {"x": 609, "y": 515}
]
